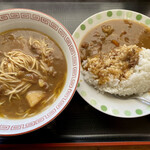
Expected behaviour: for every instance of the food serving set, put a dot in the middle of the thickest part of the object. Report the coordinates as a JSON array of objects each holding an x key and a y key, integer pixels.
[{"x": 90, "y": 116}]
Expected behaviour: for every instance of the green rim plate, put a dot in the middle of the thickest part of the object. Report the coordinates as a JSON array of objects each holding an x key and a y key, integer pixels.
[{"x": 107, "y": 103}]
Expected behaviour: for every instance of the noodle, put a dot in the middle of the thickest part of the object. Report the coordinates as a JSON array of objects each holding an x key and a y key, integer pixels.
[
  {"x": 13, "y": 62},
  {"x": 32, "y": 70}
]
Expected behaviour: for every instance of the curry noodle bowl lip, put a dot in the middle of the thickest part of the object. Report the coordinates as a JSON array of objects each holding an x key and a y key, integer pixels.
[
  {"x": 82, "y": 33},
  {"x": 12, "y": 127}
]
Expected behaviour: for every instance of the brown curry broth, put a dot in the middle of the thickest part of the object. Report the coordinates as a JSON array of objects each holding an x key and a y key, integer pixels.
[
  {"x": 124, "y": 32},
  {"x": 9, "y": 109}
]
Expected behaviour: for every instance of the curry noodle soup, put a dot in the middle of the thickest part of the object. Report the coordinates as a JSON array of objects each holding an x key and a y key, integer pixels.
[{"x": 33, "y": 71}]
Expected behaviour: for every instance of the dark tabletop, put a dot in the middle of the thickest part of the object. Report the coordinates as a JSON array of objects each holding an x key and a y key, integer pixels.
[{"x": 80, "y": 122}]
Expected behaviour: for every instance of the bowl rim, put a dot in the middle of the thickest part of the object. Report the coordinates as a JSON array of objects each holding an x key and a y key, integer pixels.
[{"x": 78, "y": 72}]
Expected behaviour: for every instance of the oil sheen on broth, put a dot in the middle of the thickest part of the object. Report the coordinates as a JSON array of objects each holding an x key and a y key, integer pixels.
[
  {"x": 33, "y": 71},
  {"x": 112, "y": 34}
]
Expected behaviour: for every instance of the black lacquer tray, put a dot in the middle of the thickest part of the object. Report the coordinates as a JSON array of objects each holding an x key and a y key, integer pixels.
[{"x": 79, "y": 122}]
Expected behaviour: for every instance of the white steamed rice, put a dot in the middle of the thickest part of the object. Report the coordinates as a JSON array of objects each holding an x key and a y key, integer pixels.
[{"x": 137, "y": 83}]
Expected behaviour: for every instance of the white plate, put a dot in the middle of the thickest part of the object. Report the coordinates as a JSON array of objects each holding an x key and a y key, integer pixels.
[{"x": 104, "y": 103}]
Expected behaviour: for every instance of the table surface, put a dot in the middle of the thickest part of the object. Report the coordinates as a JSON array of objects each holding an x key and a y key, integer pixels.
[
  {"x": 80, "y": 122},
  {"x": 133, "y": 147}
]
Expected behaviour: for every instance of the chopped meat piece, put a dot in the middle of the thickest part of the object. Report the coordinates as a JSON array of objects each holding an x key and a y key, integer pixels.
[
  {"x": 31, "y": 77},
  {"x": 35, "y": 46},
  {"x": 85, "y": 45},
  {"x": 11, "y": 37},
  {"x": 2, "y": 88},
  {"x": 107, "y": 29},
  {"x": 20, "y": 74}
]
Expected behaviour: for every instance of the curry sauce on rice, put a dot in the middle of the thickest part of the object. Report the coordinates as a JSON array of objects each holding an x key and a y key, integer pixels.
[
  {"x": 117, "y": 64},
  {"x": 114, "y": 60}
]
